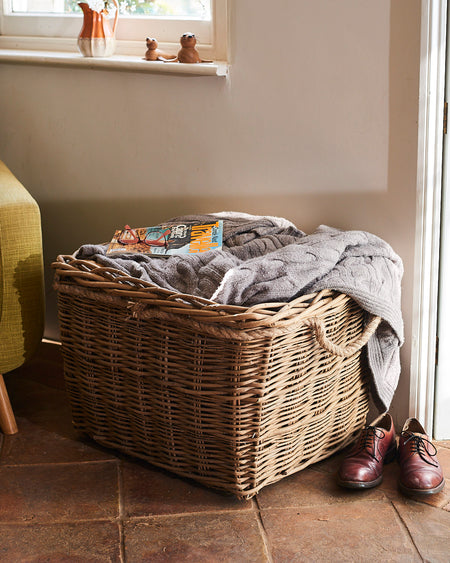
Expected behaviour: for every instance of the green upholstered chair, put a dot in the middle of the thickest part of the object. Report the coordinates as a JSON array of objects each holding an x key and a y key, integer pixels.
[{"x": 21, "y": 284}]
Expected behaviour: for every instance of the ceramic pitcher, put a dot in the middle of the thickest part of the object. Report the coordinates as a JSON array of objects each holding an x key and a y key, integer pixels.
[{"x": 97, "y": 37}]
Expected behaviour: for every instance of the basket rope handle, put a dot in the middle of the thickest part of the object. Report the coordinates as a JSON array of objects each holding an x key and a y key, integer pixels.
[{"x": 318, "y": 327}]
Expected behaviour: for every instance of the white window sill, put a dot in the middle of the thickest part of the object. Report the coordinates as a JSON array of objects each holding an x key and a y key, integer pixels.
[{"x": 124, "y": 63}]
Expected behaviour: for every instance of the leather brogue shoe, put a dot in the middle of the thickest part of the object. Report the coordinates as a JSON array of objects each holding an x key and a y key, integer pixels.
[
  {"x": 420, "y": 471},
  {"x": 363, "y": 466}
]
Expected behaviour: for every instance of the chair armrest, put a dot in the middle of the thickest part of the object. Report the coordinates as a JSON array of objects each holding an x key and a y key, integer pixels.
[{"x": 22, "y": 273}]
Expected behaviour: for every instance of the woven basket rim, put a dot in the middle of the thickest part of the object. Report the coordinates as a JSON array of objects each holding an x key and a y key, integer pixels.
[
  {"x": 91, "y": 275},
  {"x": 144, "y": 299}
]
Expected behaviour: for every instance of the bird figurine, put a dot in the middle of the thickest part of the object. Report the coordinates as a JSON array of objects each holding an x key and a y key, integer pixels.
[
  {"x": 188, "y": 52},
  {"x": 153, "y": 53}
]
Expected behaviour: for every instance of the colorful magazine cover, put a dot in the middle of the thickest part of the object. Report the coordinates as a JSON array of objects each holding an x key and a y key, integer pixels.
[{"x": 168, "y": 239}]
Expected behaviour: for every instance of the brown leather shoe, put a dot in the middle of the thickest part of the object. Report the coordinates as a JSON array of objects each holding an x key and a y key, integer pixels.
[
  {"x": 363, "y": 467},
  {"x": 420, "y": 471}
]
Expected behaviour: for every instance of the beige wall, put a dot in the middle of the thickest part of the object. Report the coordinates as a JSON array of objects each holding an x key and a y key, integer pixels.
[{"x": 317, "y": 122}]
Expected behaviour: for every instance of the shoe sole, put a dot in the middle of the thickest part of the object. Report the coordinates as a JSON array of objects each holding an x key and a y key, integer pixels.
[
  {"x": 422, "y": 492},
  {"x": 360, "y": 484}
]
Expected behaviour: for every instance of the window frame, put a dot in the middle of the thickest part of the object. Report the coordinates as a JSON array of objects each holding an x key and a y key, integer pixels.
[{"x": 59, "y": 32}]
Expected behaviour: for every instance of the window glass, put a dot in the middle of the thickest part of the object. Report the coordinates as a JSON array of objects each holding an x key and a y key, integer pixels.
[
  {"x": 54, "y": 25},
  {"x": 200, "y": 9}
]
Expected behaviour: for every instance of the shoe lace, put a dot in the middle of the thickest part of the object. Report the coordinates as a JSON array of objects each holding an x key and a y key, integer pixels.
[
  {"x": 421, "y": 446},
  {"x": 367, "y": 441}
]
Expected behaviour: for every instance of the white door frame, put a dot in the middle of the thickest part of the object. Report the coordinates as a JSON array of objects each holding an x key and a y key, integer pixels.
[
  {"x": 428, "y": 210},
  {"x": 441, "y": 416}
]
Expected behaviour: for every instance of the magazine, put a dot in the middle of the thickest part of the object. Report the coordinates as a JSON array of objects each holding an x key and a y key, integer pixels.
[{"x": 168, "y": 239}]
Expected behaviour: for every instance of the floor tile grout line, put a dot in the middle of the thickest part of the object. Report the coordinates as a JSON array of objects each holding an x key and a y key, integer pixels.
[
  {"x": 383, "y": 499},
  {"x": 71, "y": 521},
  {"x": 121, "y": 513},
  {"x": 262, "y": 529},
  {"x": 163, "y": 516},
  {"x": 58, "y": 463},
  {"x": 405, "y": 526}
]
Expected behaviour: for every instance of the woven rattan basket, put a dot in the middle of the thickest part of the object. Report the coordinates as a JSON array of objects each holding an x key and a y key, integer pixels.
[{"x": 233, "y": 397}]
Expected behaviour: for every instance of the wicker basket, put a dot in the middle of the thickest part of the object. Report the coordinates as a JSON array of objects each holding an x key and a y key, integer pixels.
[{"x": 233, "y": 397}]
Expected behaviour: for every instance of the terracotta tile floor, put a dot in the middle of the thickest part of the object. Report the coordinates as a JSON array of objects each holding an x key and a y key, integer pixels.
[{"x": 63, "y": 498}]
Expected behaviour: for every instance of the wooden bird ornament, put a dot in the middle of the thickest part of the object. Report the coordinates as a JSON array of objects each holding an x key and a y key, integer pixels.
[
  {"x": 155, "y": 54},
  {"x": 188, "y": 52}
]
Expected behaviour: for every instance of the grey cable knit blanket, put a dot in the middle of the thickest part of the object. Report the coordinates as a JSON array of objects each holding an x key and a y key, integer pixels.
[{"x": 267, "y": 259}]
